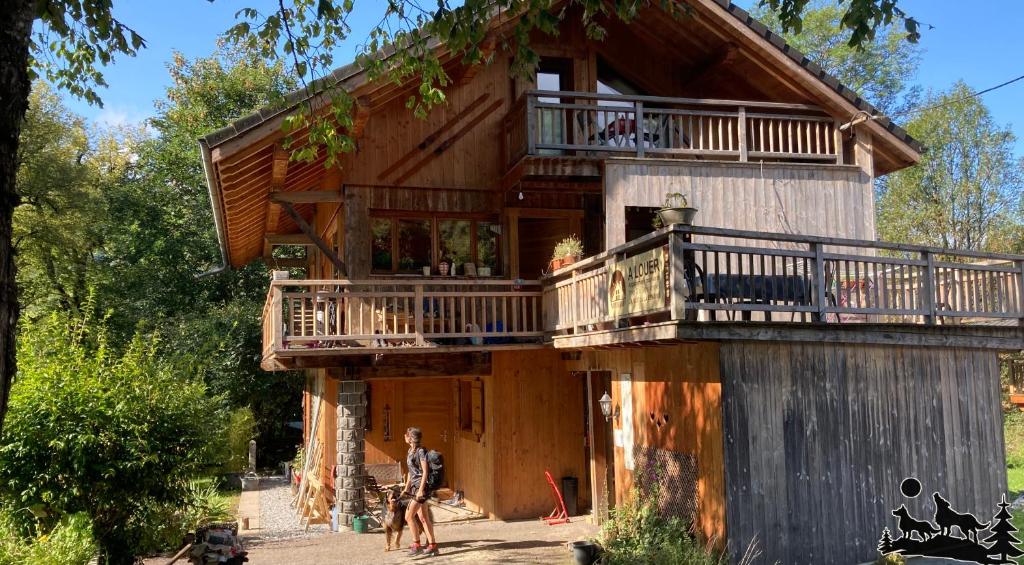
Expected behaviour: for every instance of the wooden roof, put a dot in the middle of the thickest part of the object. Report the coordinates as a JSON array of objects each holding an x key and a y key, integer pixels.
[{"x": 241, "y": 159}]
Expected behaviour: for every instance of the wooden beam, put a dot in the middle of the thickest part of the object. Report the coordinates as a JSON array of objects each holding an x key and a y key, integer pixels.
[
  {"x": 724, "y": 55},
  {"x": 306, "y": 196},
  {"x": 360, "y": 116},
  {"x": 273, "y": 217},
  {"x": 339, "y": 265},
  {"x": 286, "y": 262},
  {"x": 279, "y": 168},
  {"x": 288, "y": 239},
  {"x": 469, "y": 72}
]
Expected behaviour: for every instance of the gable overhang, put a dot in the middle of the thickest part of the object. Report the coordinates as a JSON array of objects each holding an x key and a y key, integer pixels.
[{"x": 251, "y": 136}]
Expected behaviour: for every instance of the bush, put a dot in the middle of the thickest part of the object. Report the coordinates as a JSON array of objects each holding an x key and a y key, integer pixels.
[
  {"x": 638, "y": 534},
  {"x": 165, "y": 525},
  {"x": 241, "y": 430},
  {"x": 69, "y": 542},
  {"x": 105, "y": 433}
]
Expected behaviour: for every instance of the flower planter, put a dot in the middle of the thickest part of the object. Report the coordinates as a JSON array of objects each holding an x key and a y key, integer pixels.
[{"x": 671, "y": 216}]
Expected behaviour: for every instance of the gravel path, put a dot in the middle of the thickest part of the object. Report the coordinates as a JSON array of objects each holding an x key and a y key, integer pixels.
[
  {"x": 481, "y": 541},
  {"x": 278, "y": 520}
]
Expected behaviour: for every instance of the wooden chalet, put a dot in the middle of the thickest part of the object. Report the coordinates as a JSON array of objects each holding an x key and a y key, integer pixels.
[{"x": 781, "y": 368}]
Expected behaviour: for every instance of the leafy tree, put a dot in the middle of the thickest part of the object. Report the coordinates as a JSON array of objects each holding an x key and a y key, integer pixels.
[
  {"x": 880, "y": 68},
  {"x": 966, "y": 191},
  {"x": 104, "y": 433},
  {"x": 55, "y": 225},
  {"x": 862, "y": 18}
]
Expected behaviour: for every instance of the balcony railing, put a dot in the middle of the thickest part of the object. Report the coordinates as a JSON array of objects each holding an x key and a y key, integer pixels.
[
  {"x": 354, "y": 315},
  {"x": 566, "y": 123},
  {"x": 729, "y": 275}
]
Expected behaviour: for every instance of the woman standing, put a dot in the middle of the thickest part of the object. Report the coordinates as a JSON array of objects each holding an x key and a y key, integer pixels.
[{"x": 416, "y": 482}]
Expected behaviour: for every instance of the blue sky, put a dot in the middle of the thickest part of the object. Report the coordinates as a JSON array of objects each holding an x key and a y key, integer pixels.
[{"x": 980, "y": 42}]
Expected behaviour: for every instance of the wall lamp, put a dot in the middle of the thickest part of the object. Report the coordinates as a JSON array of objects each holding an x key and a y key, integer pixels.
[{"x": 606, "y": 408}]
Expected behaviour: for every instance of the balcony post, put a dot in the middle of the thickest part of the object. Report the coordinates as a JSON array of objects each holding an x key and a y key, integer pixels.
[
  {"x": 638, "y": 128},
  {"x": 820, "y": 294},
  {"x": 277, "y": 317},
  {"x": 678, "y": 279},
  {"x": 837, "y": 136},
  {"x": 418, "y": 308},
  {"x": 927, "y": 287},
  {"x": 531, "y": 124},
  {"x": 1020, "y": 291},
  {"x": 741, "y": 130}
]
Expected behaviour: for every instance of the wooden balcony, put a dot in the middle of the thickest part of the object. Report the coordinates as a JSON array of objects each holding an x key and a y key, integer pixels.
[
  {"x": 323, "y": 318},
  {"x": 550, "y": 124},
  {"x": 711, "y": 283},
  {"x": 678, "y": 283}
]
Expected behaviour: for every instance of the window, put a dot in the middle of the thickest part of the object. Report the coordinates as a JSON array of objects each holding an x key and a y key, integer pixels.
[
  {"x": 402, "y": 243},
  {"x": 471, "y": 408}
]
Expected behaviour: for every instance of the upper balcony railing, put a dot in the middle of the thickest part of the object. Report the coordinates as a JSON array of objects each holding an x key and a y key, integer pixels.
[
  {"x": 696, "y": 274},
  {"x": 567, "y": 123},
  {"x": 349, "y": 316}
]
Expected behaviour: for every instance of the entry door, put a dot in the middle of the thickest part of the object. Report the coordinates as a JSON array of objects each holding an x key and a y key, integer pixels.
[{"x": 427, "y": 405}]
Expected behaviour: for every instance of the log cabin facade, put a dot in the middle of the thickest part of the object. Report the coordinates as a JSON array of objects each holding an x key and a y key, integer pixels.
[{"x": 782, "y": 371}]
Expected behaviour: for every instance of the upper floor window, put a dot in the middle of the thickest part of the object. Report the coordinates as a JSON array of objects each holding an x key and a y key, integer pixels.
[{"x": 405, "y": 242}]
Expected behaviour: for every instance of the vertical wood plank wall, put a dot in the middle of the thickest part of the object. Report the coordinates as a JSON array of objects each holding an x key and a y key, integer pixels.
[
  {"x": 832, "y": 201},
  {"x": 819, "y": 437},
  {"x": 538, "y": 410},
  {"x": 533, "y": 412},
  {"x": 683, "y": 382}
]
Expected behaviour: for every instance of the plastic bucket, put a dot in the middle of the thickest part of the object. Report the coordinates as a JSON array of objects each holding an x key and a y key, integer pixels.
[
  {"x": 359, "y": 524},
  {"x": 584, "y": 552}
]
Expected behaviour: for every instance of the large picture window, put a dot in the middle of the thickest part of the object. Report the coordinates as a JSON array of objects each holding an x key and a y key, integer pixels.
[{"x": 406, "y": 242}]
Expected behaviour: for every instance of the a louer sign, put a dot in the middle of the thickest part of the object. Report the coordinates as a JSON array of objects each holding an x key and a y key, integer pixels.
[{"x": 639, "y": 284}]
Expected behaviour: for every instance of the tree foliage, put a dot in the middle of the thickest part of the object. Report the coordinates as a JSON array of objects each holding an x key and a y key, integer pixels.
[
  {"x": 102, "y": 432},
  {"x": 881, "y": 68},
  {"x": 861, "y": 18},
  {"x": 966, "y": 193}
]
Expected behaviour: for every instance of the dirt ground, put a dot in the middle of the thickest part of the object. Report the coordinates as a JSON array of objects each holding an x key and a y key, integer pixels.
[{"x": 481, "y": 541}]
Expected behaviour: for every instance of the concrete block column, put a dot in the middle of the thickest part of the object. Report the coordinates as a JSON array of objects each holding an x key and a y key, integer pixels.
[{"x": 348, "y": 485}]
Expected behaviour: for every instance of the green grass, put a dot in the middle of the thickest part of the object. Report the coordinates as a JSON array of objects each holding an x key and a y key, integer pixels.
[{"x": 1013, "y": 433}]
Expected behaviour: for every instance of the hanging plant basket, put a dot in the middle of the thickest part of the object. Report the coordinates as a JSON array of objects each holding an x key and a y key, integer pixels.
[{"x": 671, "y": 216}]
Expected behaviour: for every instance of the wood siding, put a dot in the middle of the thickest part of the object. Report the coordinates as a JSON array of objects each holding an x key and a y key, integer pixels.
[
  {"x": 819, "y": 437},
  {"x": 533, "y": 421},
  {"x": 680, "y": 381},
  {"x": 824, "y": 200},
  {"x": 538, "y": 417}
]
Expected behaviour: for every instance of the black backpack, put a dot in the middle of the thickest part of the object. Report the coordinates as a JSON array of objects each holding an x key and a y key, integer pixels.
[{"x": 435, "y": 470}]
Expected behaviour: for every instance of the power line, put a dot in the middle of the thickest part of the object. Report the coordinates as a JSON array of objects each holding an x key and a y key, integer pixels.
[{"x": 949, "y": 102}]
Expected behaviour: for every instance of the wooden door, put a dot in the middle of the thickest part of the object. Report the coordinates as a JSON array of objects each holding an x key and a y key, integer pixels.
[{"x": 427, "y": 405}]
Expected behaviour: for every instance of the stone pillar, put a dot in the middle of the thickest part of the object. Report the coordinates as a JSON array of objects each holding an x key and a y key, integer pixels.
[{"x": 351, "y": 450}]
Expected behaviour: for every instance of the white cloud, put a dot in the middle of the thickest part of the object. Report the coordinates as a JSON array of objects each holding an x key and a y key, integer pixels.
[{"x": 120, "y": 116}]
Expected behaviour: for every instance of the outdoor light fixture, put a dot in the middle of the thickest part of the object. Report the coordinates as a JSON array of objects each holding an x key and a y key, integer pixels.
[{"x": 606, "y": 406}]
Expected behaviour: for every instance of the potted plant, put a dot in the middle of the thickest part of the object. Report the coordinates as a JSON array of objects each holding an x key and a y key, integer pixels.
[
  {"x": 566, "y": 252},
  {"x": 675, "y": 210}
]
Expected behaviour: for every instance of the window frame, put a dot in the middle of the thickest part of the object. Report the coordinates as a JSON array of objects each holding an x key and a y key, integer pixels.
[{"x": 395, "y": 216}]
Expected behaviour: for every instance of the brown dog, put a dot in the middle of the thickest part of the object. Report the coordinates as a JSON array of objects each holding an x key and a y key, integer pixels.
[{"x": 394, "y": 520}]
